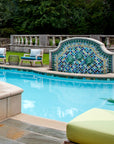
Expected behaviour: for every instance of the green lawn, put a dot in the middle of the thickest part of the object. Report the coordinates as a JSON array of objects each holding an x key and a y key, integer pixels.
[{"x": 20, "y": 54}]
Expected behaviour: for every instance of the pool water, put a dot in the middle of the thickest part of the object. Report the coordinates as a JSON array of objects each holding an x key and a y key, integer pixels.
[{"x": 59, "y": 98}]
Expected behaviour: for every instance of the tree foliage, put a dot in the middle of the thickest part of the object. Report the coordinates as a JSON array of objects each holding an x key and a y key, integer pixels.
[{"x": 56, "y": 17}]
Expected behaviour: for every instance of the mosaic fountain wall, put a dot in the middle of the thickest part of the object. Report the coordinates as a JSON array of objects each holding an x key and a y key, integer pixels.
[{"x": 81, "y": 55}]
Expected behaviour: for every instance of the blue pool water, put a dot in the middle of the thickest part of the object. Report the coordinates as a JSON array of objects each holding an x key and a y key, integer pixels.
[{"x": 59, "y": 98}]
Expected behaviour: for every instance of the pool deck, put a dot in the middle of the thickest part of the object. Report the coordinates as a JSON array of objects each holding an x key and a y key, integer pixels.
[
  {"x": 16, "y": 131},
  {"x": 27, "y": 129}
]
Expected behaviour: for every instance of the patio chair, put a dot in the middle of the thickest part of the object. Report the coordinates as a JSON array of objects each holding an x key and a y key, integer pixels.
[
  {"x": 3, "y": 54},
  {"x": 36, "y": 55}
]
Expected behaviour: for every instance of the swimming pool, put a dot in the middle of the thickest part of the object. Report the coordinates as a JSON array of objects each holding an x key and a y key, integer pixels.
[{"x": 59, "y": 98}]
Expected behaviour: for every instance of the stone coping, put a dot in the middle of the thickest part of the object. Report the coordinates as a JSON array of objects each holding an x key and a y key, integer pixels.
[
  {"x": 39, "y": 121},
  {"x": 10, "y": 100},
  {"x": 8, "y": 90},
  {"x": 46, "y": 70}
]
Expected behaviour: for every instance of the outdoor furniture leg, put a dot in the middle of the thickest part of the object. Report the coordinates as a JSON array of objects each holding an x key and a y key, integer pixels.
[
  {"x": 31, "y": 63},
  {"x": 21, "y": 62},
  {"x": 68, "y": 142},
  {"x": 4, "y": 61},
  {"x": 41, "y": 63}
]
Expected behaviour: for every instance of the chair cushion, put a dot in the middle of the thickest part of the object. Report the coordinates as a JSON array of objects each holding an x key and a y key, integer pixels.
[
  {"x": 31, "y": 58},
  {"x": 2, "y": 56},
  {"x": 35, "y": 52},
  {"x": 95, "y": 126},
  {"x": 2, "y": 50}
]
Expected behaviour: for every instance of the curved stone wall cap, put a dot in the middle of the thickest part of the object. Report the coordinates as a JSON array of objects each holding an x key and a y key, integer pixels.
[
  {"x": 85, "y": 38},
  {"x": 8, "y": 90}
]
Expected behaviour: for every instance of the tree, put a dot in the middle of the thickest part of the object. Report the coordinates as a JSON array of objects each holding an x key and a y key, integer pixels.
[{"x": 56, "y": 17}]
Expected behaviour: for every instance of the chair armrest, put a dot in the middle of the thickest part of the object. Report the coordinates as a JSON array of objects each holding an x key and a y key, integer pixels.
[
  {"x": 38, "y": 56},
  {"x": 26, "y": 55}
]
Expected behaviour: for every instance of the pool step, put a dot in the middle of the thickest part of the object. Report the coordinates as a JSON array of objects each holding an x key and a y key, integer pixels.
[{"x": 18, "y": 132}]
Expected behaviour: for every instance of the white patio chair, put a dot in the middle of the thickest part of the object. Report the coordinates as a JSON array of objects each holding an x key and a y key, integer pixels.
[
  {"x": 3, "y": 54},
  {"x": 36, "y": 55}
]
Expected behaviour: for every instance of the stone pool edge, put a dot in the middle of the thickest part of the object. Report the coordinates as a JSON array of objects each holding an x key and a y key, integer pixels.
[
  {"x": 10, "y": 100},
  {"x": 46, "y": 70}
]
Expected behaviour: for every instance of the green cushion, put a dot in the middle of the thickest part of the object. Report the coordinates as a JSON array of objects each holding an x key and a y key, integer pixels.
[{"x": 95, "y": 126}]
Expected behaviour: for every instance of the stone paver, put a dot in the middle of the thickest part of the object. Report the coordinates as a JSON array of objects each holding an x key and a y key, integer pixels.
[
  {"x": 18, "y": 132},
  {"x": 11, "y": 132},
  {"x": 48, "y": 131},
  {"x": 8, "y": 141},
  {"x": 33, "y": 138},
  {"x": 15, "y": 123}
]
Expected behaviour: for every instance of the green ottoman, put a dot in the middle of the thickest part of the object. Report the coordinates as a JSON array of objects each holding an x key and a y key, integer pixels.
[{"x": 95, "y": 126}]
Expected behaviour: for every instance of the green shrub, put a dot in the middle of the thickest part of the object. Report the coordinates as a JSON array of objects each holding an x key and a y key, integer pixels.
[
  {"x": 50, "y": 42},
  {"x": 57, "y": 42},
  {"x": 33, "y": 41},
  {"x": 6, "y": 32}
]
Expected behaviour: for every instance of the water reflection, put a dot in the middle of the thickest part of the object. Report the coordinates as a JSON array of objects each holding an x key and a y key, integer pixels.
[
  {"x": 35, "y": 83},
  {"x": 68, "y": 112},
  {"x": 2, "y": 76},
  {"x": 28, "y": 104}
]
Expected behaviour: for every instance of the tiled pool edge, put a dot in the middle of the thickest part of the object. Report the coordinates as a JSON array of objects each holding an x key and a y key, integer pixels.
[
  {"x": 10, "y": 100},
  {"x": 47, "y": 71}
]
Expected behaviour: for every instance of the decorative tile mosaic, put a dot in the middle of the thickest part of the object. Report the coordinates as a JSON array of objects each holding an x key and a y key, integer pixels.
[{"x": 81, "y": 56}]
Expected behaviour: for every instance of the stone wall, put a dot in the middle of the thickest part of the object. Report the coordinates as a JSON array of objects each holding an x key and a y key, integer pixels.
[{"x": 47, "y": 42}]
